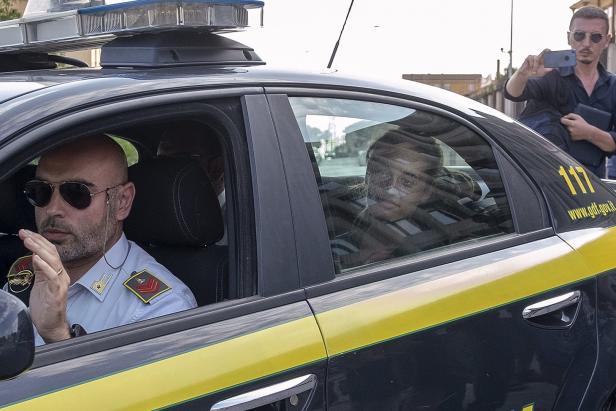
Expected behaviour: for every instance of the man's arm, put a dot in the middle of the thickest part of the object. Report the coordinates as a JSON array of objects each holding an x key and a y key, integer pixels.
[
  {"x": 532, "y": 67},
  {"x": 580, "y": 130}
]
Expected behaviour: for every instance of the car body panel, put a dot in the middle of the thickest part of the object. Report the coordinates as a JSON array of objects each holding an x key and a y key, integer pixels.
[
  {"x": 576, "y": 199},
  {"x": 177, "y": 368},
  {"x": 597, "y": 246},
  {"x": 463, "y": 319}
]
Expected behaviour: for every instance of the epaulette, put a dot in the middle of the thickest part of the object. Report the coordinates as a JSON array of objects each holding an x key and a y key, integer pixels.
[
  {"x": 146, "y": 286},
  {"x": 20, "y": 278}
]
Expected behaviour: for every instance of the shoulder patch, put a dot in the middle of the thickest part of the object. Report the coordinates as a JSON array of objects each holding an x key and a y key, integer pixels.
[
  {"x": 21, "y": 274},
  {"x": 146, "y": 285}
]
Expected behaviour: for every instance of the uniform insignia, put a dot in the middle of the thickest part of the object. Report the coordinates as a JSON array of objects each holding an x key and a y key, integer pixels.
[
  {"x": 146, "y": 286},
  {"x": 21, "y": 274},
  {"x": 100, "y": 284}
]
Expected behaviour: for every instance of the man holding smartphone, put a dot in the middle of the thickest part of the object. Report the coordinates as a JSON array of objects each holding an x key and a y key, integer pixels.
[{"x": 583, "y": 95}]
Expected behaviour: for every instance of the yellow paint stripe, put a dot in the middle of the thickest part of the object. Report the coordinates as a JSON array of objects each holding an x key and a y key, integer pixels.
[
  {"x": 193, "y": 374},
  {"x": 435, "y": 302},
  {"x": 596, "y": 245}
]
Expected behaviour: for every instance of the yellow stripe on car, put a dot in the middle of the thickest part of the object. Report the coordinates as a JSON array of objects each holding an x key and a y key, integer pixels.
[
  {"x": 596, "y": 245},
  {"x": 543, "y": 266},
  {"x": 193, "y": 374}
]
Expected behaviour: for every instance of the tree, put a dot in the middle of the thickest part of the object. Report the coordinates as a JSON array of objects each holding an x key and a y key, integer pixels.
[{"x": 7, "y": 11}]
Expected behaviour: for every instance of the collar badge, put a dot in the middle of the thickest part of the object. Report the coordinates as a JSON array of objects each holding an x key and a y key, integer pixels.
[{"x": 99, "y": 285}]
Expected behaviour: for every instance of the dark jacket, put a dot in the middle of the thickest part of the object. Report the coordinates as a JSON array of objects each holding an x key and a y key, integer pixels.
[{"x": 560, "y": 91}]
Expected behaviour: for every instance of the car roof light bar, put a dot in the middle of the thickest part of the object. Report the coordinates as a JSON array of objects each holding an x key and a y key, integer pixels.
[{"x": 56, "y": 28}]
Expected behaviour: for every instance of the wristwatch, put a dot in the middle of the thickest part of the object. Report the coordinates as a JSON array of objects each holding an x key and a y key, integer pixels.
[{"x": 77, "y": 330}]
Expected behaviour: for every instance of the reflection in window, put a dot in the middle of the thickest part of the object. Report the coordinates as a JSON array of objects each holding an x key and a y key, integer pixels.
[{"x": 396, "y": 182}]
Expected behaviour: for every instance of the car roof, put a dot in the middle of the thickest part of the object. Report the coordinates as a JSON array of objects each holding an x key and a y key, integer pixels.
[
  {"x": 129, "y": 81},
  {"x": 86, "y": 86}
]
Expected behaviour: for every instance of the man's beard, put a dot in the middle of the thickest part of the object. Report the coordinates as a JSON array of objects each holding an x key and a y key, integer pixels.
[{"x": 86, "y": 242}]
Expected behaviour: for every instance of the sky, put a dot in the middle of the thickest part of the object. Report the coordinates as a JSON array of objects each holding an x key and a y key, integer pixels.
[{"x": 386, "y": 38}]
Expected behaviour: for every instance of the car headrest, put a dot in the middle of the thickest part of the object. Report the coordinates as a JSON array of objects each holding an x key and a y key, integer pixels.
[
  {"x": 15, "y": 210},
  {"x": 174, "y": 204},
  {"x": 459, "y": 184}
]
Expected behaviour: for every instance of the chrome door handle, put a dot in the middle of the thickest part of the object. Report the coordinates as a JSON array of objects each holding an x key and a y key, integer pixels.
[
  {"x": 551, "y": 305},
  {"x": 268, "y": 395}
]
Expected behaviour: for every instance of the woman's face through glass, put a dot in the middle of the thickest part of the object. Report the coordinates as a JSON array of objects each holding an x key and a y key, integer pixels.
[{"x": 397, "y": 182}]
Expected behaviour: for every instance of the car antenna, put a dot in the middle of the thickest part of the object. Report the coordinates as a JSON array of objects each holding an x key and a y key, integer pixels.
[{"x": 331, "y": 59}]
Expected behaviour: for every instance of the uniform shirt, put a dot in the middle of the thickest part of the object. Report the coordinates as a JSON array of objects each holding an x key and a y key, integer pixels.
[
  {"x": 562, "y": 90},
  {"x": 100, "y": 300}
]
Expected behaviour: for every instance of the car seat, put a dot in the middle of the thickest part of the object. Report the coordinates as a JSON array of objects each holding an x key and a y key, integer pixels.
[
  {"x": 176, "y": 218},
  {"x": 15, "y": 213}
]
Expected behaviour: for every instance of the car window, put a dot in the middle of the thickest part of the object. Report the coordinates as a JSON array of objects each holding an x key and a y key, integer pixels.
[
  {"x": 180, "y": 168},
  {"x": 397, "y": 181}
]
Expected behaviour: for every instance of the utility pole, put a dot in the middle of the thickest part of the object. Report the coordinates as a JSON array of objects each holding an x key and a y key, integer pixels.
[
  {"x": 510, "y": 68},
  {"x": 509, "y": 106}
]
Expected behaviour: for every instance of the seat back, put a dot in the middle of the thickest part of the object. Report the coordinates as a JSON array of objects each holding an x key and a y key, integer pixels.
[
  {"x": 15, "y": 213},
  {"x": 176, "y": 217}
]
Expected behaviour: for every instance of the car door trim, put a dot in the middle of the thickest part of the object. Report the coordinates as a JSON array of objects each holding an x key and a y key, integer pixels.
[
  {"x": 551, "y": 304},
  {"x": 163, "y": 350},
  {"x": 438, "y": 257},
  {"x": 267, "y": 395}
]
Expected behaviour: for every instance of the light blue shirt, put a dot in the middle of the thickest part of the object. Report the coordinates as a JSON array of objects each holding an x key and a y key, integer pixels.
[{"x": 100, "y": 300}]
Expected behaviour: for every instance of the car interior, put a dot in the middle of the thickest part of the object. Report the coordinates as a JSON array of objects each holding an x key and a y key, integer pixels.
[
  {"x": 470, "y": 199},
  {"x": 176, "y": 215}
]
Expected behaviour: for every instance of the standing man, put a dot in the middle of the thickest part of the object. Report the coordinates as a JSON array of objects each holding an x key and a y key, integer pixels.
[
  {"x": 83, "y": 274},
  {"x": 564, "y": 89}
]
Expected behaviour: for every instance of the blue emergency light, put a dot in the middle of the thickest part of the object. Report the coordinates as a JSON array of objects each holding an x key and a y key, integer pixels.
[{"x": 70, "y": 24}]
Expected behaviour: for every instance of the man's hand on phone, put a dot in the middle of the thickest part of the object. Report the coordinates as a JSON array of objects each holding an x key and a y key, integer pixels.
[{"x": 533, "y": 66}]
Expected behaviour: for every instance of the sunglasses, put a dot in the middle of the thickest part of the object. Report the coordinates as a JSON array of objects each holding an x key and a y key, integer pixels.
[
  {"x": 76, "y": 194},
  {"x": 581, "y": 35}
]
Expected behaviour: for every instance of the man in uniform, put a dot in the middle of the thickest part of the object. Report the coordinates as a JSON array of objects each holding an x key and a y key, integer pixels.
[{"x": 83, "y": 274}]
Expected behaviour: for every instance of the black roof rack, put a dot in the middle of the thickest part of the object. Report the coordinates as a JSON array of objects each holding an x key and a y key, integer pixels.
[
  {"x": 35, "y": 61},
  {"x": 176, "y": 48}
]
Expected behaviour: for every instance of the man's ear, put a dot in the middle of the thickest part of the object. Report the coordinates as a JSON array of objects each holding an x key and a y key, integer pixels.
[
  {"x": 124, "y": 200},
  {"x": 568, "y": 38}
]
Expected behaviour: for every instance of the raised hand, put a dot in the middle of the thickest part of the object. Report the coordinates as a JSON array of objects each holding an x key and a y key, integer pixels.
[{"x": 49, "y": 292}]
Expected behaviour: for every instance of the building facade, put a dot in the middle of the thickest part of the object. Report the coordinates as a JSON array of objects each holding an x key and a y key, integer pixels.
[{"x": 464, "y": 84}]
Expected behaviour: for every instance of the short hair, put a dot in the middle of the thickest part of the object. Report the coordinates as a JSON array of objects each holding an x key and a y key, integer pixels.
[
  {"x": 591, "y": 12},
  {"x": 95, "y": 142},
  {"x": 427, "y": 146}
]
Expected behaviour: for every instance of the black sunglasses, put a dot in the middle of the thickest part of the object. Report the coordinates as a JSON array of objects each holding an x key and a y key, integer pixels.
[
  {"x": 76, "y": 194},
  {"x": 581, "y": 35}
]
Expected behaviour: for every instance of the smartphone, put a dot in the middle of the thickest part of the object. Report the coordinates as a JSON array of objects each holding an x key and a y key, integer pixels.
[{"x": 559, "y": 58}]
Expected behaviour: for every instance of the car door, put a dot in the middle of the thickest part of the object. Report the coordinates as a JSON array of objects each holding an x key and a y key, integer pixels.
[
  {"x": 489, "y": 309},
  {"x": 260, "y": 347},
  {"x": 584, "y": 215}
]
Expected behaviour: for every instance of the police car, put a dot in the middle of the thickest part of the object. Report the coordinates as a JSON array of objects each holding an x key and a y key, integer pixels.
[{"x": 486, "y": 281}]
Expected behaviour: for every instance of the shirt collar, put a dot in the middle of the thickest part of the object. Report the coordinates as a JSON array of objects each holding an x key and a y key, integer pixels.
[
  {"x": 566, "y": 71},
  {"x": 603, "y": 74},
  {"x": 99, "y": 279}
]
